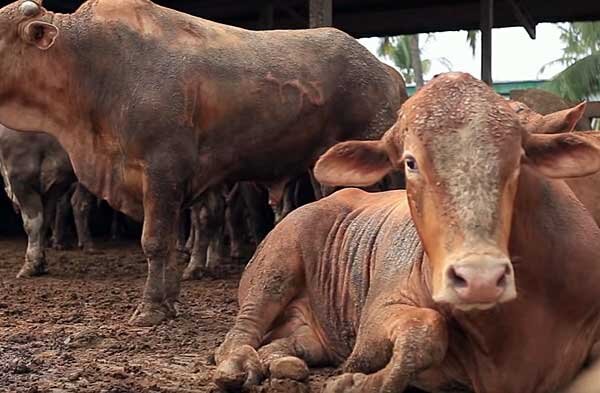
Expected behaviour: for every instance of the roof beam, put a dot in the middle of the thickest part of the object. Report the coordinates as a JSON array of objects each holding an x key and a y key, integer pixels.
[
  {"x": 486, "y": 25},
  {"x": 523, "y": 17}
]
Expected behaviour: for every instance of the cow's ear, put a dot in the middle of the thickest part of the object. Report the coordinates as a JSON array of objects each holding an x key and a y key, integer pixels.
[
  {"x": 562, "y": 121},
  {"x": 41, "y": 34},
  {"x": 353, "y": 163},
  {"x": 563, "y": 155}
]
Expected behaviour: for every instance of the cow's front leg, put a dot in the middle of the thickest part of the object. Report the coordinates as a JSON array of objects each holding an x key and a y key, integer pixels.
[
  {"x": 162, "y": 207},
  {"x": 588, "y": 380},
  {"x": 394, "y": 344}
]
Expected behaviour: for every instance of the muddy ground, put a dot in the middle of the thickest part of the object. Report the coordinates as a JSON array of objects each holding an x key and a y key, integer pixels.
[{"x": 68, "y": 331}]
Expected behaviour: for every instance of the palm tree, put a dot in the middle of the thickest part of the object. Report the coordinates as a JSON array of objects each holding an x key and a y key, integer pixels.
[
  {"x": 581, "y": 56},
  {"x": 472, "y": 40},
  {"x": 405, "y": 53}
]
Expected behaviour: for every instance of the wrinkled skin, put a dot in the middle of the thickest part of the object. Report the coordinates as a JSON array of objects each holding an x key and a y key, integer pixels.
[
  {"x": 37, "y": 173},
  {"x": 394, "y": 286},
  {"x": 154, "y": 107}
]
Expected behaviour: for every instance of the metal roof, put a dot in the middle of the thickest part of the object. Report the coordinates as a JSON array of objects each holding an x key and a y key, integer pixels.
[{"x": 364, "y": 18}]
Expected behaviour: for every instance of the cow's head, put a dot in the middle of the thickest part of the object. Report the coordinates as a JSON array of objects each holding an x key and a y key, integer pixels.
[
  {"x": 27, "y": 66},
  {"x": 26, "y": 23},
  {"x": 461, "y": 146},
  {"x": 561, "y": 121}
]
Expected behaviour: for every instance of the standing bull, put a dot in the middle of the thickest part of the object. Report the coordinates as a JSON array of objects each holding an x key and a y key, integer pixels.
[
  {"x": 37, "y": 173},
  {"x": 154, "y": 107},
  {"x": 482, "y": 276}
]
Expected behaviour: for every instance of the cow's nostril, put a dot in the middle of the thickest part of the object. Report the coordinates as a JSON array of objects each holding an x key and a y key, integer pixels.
[
  {"x": 456, "y": 280},
  {"x": 502, "y": 280}
]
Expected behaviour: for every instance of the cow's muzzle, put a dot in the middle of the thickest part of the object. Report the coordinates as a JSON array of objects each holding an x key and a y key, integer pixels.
[{"x": 478, "y": 282}]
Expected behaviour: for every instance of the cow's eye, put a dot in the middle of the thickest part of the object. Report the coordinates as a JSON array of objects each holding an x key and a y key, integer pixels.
[{"x": 411, "y": 164}]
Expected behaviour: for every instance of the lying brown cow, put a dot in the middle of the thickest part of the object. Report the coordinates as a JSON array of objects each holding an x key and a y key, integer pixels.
[
  {"x": 482, "y": 276},
  {"x": 154, "y": 107}
]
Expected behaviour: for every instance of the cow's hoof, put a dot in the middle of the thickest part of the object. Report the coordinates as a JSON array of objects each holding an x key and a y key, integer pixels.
[
  {"x": 289, "y": 367},
  {"x": 32, "y": 270},
  {"x": 60, "y": 246},
  {"x": 192, "y": 273},
  {"x": 345, "y": 383},
  {"x": 239, "y": 371},
  {"x": 89, "y": 249},
  {"x": 148, "y": 314},
  {"x": 172, "y": 308}
]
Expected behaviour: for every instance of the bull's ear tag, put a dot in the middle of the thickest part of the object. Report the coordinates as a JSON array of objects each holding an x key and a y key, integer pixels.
[{"x": 41, "y": 34}]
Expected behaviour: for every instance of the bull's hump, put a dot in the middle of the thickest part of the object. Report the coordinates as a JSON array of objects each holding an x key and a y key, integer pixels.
[{"x": 150, "y": 19}]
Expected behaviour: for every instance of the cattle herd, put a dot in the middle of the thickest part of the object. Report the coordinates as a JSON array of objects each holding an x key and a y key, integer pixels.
[{"x": 468, "y": 258}]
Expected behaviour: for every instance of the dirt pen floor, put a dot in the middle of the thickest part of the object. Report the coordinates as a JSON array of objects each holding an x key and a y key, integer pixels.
[{"x": 68, "y": 331}]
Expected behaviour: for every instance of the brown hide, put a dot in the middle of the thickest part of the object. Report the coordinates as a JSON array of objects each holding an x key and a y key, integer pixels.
[
  {"x": 155, "y": 106},
  {"x": 181, "y": 93},
  {"x": 351, "y": 278}
]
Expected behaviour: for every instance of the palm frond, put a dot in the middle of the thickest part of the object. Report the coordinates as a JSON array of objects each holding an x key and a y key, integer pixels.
[
  {"x": 578, "y": 81},
  {"x": 472, "y": 40}
]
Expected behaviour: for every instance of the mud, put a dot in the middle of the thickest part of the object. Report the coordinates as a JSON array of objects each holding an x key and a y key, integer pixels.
[{"x": 68, "y": 331}]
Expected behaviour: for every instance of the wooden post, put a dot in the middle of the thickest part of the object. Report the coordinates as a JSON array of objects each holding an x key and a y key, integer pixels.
[
  {"x": 486, "y": 25},
  {"x": 320, "y": 13}
]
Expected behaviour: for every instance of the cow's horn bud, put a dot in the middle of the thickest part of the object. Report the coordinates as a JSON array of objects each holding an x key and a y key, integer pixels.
[{"x": 29, "y": 8}]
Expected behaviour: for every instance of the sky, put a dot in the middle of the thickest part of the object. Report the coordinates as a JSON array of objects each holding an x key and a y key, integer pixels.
[{"x": 515, "y": 56}]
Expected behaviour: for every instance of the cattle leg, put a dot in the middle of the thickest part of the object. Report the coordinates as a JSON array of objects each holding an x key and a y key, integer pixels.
[
  {"x": 286, "y": 204},
  {"x": 162, "y": 209},
  {"x": 418, "y": 338},
  {"x": 234, "y": 221},
  {"x": 271, "y": 280},
  {"x": 282, "y": 358},
  {"x": 588, "y": 380},
  {"x": 260, "y": 215},
  {"x": 216, "y": 254},
  {"x": 200, "y": 242},
  {"x": 32, "y": 213},
  {"x": 293, "y": 345},
  {"x": 82, "y": 201},
  {"x": 189, "y": 244},
  {"x": 59, "y": 229},
  {"x": 208, "y": 250},
  {"x": 114, "y": 226}
]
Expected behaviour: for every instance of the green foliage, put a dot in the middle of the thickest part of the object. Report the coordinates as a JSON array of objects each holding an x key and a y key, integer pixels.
[
  {"x": 581, "y": 57},
  {"x": 397, "y": 49},
  {"x": 472, "y": 40}
]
